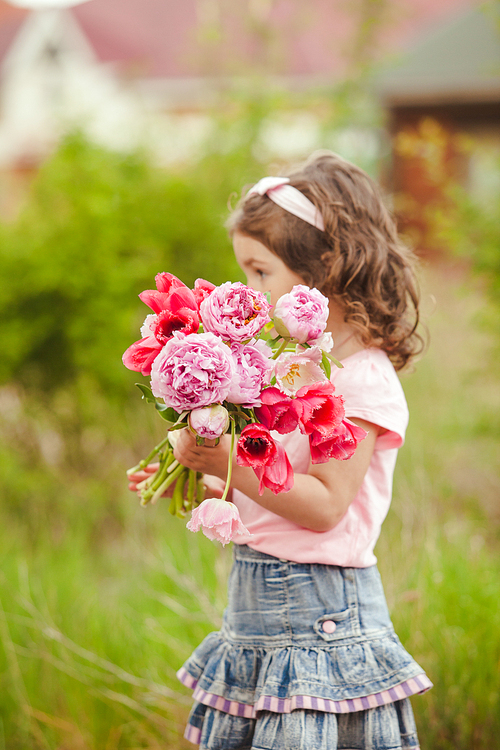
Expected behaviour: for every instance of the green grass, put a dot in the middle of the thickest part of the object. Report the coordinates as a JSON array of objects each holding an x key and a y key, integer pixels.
[
  {"x": 101, "y": 600},
  {"x": 439, "y": 551}
]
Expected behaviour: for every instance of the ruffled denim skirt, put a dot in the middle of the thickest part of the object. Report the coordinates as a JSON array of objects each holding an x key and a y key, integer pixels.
[{"x": 307, "y": 655}]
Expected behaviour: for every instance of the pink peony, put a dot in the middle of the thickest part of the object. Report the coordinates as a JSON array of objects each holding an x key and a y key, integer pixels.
[
  {"x": 294, "y": 371},
  {"x": 340, "y": 444},
  {"x": 209, "y": 422},
  {"x": 235, "y": 312},
  {"x": 192, "y": 371},
  {"x": 218, "y": 519},
  {"x": 319, "y": 409},
  {"x": 252, "y": 367},
  {"x": 257, "y": 448},
  {"x": 277, "y": 411},
  {"x": 302, "y": 314}
]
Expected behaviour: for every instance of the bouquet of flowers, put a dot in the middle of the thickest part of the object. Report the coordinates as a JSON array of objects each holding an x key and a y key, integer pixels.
[{"x": 221, "y": 359}]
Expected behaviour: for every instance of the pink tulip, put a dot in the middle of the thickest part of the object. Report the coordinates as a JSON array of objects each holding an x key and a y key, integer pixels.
[
  {"x": 218, "y": 519},
  {"x": 296, "y": 370}
]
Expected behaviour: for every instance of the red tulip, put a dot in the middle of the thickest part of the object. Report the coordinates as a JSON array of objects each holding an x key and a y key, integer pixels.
[
  {"x": 176, "y": 310},
  {"x": 176, "y": 299},
  {"x": 318, "y": 409},
  {"x": 202, "y": 289},
  {"x": 278, "y": 412},
  {"x": 183, "y": 319},
  {"x": 278, "y": 476},
  {"x": 341, "y": 444},
  {"x": 141, "y": 355},
  {"x": 165, "y": 282},
  {"x": 257, "y": 449}
]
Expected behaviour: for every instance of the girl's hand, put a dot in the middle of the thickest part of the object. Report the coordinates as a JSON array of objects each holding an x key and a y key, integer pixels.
[
  {"x": 140, "y": 476},
  {"x": 209, "y": 459},
  {"x": 214, "y": 485}
]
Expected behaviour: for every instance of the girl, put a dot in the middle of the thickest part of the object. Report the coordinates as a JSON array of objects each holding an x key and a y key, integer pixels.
[{"x": 307, "y": 657}]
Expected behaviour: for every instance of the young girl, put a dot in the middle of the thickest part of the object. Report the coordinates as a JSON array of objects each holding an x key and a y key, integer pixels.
[{"x": 307, "y": 658}]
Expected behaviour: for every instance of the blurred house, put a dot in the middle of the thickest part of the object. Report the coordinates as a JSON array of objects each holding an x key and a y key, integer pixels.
[
  {"x": 135, "y": 72},
  {"x": 443, "y": 101}
]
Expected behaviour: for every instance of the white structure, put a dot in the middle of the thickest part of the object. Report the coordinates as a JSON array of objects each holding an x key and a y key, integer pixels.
[{"x": 51, "y": 82}]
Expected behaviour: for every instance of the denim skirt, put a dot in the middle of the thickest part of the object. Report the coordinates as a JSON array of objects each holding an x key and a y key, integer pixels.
[{"x": 306, "y": 655}]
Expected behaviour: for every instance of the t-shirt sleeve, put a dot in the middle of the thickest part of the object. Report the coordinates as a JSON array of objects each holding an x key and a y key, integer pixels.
[{"x": 372, "y": 391}]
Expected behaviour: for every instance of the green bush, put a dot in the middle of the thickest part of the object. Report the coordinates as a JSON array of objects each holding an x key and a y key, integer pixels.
[{"x": 96, "y": 228}]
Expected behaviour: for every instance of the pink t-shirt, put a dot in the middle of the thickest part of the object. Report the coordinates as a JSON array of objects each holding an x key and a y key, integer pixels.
[{"x": 372, "y": 391}]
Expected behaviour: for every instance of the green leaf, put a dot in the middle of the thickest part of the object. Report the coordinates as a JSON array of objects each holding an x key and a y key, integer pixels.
[
  {"x": 166, "y": 412},
  {"x": 147, "y": 393},
  {"x": 325, "y": 362},
  {"x": 335, "y": 361}
]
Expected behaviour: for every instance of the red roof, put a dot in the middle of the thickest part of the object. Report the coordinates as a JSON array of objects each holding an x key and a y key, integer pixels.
[
  {"x": 10, "y": 21},
  {"x": 166, "y": 38}
]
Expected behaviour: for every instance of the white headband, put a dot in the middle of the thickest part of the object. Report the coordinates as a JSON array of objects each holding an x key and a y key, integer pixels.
[{"x": 289, "y": 198}]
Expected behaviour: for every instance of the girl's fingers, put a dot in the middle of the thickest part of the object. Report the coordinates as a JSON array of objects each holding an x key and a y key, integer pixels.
[
  {"x": 139, "y": 476},
  {"x": 214, "y": 485}
]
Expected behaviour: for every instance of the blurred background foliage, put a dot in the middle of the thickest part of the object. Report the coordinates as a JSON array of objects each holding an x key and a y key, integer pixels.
[{"x": 101, "y": 600}]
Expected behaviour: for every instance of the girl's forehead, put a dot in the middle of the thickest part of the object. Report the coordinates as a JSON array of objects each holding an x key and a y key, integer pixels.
[{"x": 249, "y": 249}]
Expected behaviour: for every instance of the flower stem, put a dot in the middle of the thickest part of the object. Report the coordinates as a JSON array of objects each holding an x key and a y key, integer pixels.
[
  {"x": 281, "y": 349},
  {"x": 192, "y": 479},
  {"x": 178, "y": 494},
  {"x": 145, "y": 461},
  {"x": 230, "y": 461},
  {"x": 165, "y": 462},
  {"x": 200, "y": 489},
  {"x": 164, "y": 486}
]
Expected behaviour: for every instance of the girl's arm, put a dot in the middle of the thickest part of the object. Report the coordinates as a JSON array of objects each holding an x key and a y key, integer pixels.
[{"x": 317, "y": 501}]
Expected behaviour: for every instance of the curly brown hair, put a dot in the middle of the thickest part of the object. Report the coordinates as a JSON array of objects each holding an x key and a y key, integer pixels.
[{"x": 358, "y": 261}]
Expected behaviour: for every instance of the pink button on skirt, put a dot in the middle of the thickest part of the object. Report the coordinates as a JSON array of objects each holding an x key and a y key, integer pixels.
[{"x": 329, "y": 626}]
